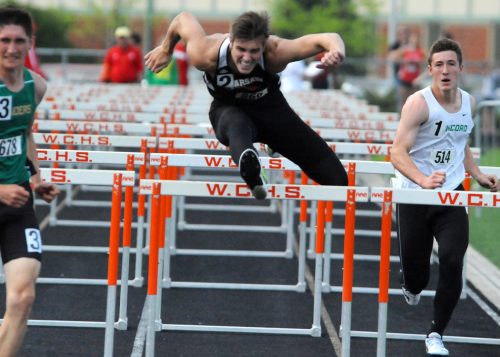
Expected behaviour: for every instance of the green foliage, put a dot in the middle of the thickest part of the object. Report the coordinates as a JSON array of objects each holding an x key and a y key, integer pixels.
[
  {"x": 52, "y": 25},
  {"x": 485, "y": 225},
  {"x": 294, "y": 18},
  {"x": 387, "y": 102}
]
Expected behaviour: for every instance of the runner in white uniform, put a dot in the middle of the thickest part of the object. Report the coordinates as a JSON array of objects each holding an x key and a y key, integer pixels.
[{"x": 430, "y": 151}]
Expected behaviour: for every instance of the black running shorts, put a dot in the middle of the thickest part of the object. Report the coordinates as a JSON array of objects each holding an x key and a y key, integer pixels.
[{"x": 19, "y": 231}]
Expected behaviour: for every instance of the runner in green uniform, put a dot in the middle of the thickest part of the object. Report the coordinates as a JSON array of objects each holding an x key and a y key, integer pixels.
[{"x": 20, "y": 241}]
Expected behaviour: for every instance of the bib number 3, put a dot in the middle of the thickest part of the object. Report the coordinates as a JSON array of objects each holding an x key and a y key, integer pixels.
[
  {"x": 5, "y": 108},
  {"x": 33, "y": 240}
]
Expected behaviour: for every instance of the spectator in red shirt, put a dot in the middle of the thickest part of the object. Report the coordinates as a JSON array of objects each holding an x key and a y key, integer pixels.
[
  {"x": 181, "y": 59},
  {"x": 123, "y": 62}
]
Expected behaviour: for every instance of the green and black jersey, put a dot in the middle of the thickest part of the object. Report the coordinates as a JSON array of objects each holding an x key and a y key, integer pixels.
[{"x": 16, "y": 117}]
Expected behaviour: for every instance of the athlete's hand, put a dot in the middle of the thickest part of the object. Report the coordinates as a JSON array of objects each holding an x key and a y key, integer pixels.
[
  {"x": 46, "y": 191},
  {"x": 331, "y": 59},
  {"x": 435, "y": 180},
  {"x": 488, "y": 181},
  {"x": 13, "y": 195},
  {"x": 157, "y": 59}
]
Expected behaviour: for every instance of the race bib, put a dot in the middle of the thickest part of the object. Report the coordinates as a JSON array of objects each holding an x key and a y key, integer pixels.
[
  {"x": 442, "y": 157},
  {"x": 5, "y": 108},
  {"x": 10, "y": 146},
  {"x": 33, "y": 240}
]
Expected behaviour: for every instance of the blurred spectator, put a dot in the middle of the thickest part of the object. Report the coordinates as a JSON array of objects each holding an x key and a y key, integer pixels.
[
  {"x": 181, "y": 59},
  {"x": 292, "y": 77},
  {"x": 490, "y": 90},
  {"x": 136, "y": 39},
  {"x": 123, "y": 61},
  {"x": 402, "y": 39},
  {"x": 411, "y": 58}
]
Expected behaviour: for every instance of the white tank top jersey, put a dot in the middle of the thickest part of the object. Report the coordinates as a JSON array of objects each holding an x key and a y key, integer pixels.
[{"x": 440, "y": 143}]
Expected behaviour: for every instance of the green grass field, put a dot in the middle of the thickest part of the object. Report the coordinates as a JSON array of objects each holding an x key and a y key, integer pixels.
[{"x": 485, "y": 228}]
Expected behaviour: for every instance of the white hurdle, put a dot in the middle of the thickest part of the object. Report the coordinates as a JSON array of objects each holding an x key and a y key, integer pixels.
[
  {"x": 116, "y": 179},
  {"x": 388, "y": 197},
  {"x": 159, "y": 188}
]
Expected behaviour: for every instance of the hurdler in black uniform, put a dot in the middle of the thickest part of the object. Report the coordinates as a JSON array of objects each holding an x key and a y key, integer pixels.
[
  {"x": 249, "y": 108},
  {"x": 241, "y": 74}
]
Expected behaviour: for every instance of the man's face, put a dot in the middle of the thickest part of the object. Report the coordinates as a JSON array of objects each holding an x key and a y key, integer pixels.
[
  {"x": 123, "y": 41},
  {"x": 445, "y": 70},
  {"x": 246, "y": 54},
  {"x": 14, "y": 45}
]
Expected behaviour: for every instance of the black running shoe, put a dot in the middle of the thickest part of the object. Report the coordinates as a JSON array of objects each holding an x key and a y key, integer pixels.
[{"x": 251, "y": 172}]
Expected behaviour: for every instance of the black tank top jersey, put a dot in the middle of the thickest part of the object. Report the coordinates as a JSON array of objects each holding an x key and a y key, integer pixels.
[{"x": 231, "y": 87}]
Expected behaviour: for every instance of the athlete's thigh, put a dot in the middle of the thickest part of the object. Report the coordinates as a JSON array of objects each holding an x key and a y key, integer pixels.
[
  {"x": 21, "y": 273},
  {"x": 289, "y": 135},
  {"x": 414, "y": 231},
  {"x": 230, "y": 120},
  {"x": 451, "y": 229}
]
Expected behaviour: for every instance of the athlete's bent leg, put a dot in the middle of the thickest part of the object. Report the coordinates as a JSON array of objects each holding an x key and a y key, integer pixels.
[
  {"x": 20, "y": 278},
  {"x": 415, "y": 246},
  {"x": 452, "y": 235},
  {"x": 233, "y": 128}
]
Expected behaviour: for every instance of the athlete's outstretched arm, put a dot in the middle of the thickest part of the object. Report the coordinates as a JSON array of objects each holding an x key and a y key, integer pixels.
[
  {"x": 283, "y": 51},
  {"x": 201, "y": 49}
]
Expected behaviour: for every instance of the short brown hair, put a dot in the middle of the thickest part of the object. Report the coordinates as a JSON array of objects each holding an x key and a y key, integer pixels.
[
  {"x": 250, "y": 25},
  {"x": 445, "y": 44}
]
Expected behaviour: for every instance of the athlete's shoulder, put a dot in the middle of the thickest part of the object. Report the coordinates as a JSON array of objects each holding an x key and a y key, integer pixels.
[
  {"x": 416, "y": 108},
  {"x": 203, "y": 52}
]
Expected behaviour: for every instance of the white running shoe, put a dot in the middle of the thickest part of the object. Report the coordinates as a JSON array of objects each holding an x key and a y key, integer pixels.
[
  {"x": 434, "y": 345},
  {"x": 410, "y": 298}
]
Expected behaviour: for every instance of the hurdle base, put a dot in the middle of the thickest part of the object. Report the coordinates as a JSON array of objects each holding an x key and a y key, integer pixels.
[
  {"x": 122, "y": 324},
  {"x": 242, "y": 329},
  {"x": 421, "y": 337},
  {"x": 236, "y": 286},
  {"x": 137, "y": 282}
]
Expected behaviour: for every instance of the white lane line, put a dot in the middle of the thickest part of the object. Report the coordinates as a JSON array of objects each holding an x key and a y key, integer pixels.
[{"x": 140, "y": 336}]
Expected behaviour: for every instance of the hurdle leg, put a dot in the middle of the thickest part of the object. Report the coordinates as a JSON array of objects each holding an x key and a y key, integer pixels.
[
  {"x": 114, "y": 242},
  {"x": 302, "y": 240},
  {"x": 166, "y": 279},
  {"x": 159, "y": 289},
  {"x": 385, "y": 254},
  {"x": 69, "y": 194},
  {"x": 345, "y": 323},
  {"x": 312, "y": 232},
  {"x": 173, "y": 226},
  {"x": 153, "y": 271},
  {"x": 290, "y": 207},
  {"x": 181, "y": 213},
  {"x": 327, "y": 262},
  {"x": 320, "y": 248},
  {"x": 138, "y": 278},
  {"x": 302, "y": 258},
  {"x": 53, "y": 212},
  {"x": 122, "y": 314}
]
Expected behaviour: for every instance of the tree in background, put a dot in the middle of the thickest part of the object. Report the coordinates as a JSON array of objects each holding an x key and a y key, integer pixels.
[
  {"x": 352, "y": 20},
  {"x": 51, "y": 26}
]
